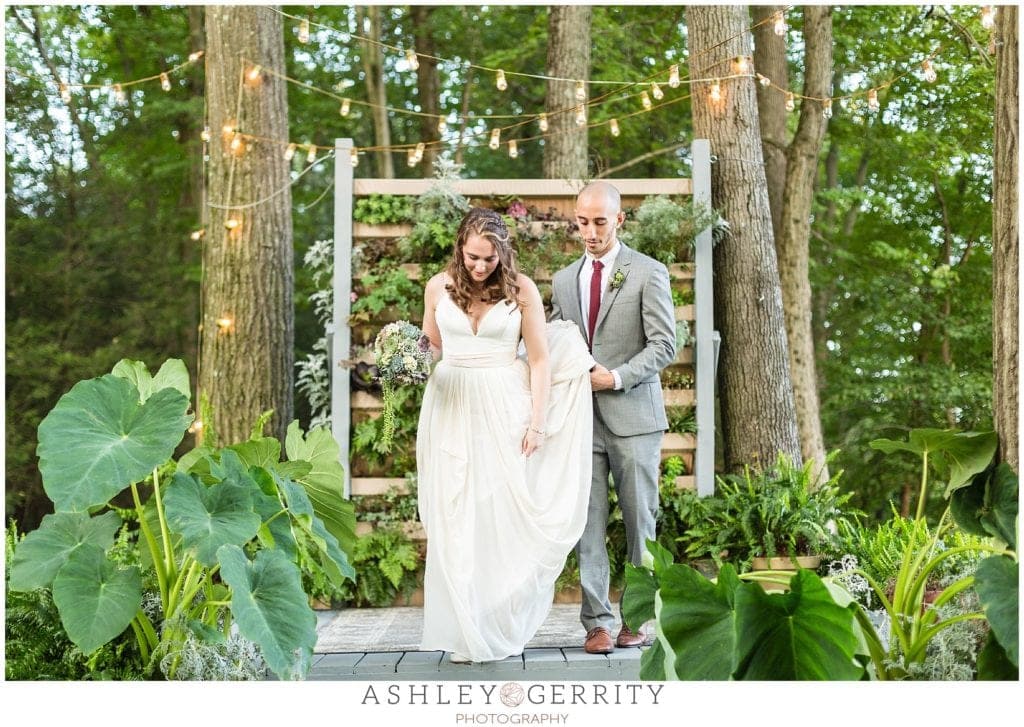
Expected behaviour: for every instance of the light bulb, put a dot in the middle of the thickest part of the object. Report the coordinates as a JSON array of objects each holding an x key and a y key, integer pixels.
[
  {"x": 495, "y": 138},
  {"x": 790, "y": 101},
  {"x": 289, "y": 152},
  {"x": 513, "y": 149},
  {"x": 165, "y": 82},
  {"x": 346, "y": 106},
  {"x": 581, "y": 115},
  {"x": 929, "y": 71},
  {"x": 715, "y": 94},
  {"x": 543, "y": 122},
  {"x": 673, "y": 76},
  {"x": 119, "y": 94},
  {"x": 988, "y": 17},
  {"x": 237, "y": 148},
  {"x": 657, "y": 92},
  {"x": 253, "y": 77},
  {"x": 228, "y": 128},
  {"x": 780, "y": 24},
  {"x": 873, "y": 105},
  {"x": 205, "y": 134},
  {"x": 232, "y": 223},
  {"x": 311, "y": 154},
  {"x": 304, "y": 31},
  {"x": 764, "y": 80},
  {"x": 613, "y": 125},
  {"x": 224, "y": 323},
  {"x": 645, "y": 100},
  {"x": 193, "y": 57},
  {"x": 742, "y": 65},
  {"x": 826, "y": 108},
  {"x": 420, "y": 148},
  {"x": 196, "y": 426},
  {"x": 353, "y": 157},
  {"x": 442, "y": 126},
  {"x": 501, "y": 82},
  {"x": 581, "y": 91},
  {"x": 198, "y": 234},
  {"x": 412, "y": 60},
  {"x": 65, "y": 93},
  {"x": 410, "y": 157}
]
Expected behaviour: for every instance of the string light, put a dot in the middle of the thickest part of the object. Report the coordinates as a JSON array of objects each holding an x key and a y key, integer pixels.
[
  {"x": 304, "y": 31},
  {"x": 988, "y": 18},
  {"x": 193, "y": 57},
  {"x": 929, "y": 71},
  {"x": 826, "y": 108},
  {"x": 657, "y": 92},
  {"x": 205, "y": 134},
  {"x": 716, "y": 93},
  {"x": 673, "y": 76},
  {"x": 65, "y": 93},
  {"x": 543, "y": 123},
  {"x": 495, "y": 139},
  {"x": 119, "y": 94},
  {"x": 231, "y": 224},
  {"x": 412, "y": 60},
  {"x": 442, "y": 125},
  {"x": 513, "y": 149},
  {"x": 289, "y": 152},
  {"x": 353, "y": 157},
  {"x": 165, "y": 82},
  {"x": 613, "y": 126},
  {"x": 780, "y": 24},
  {"x": 346, "y": 106},
  {"x": 253, "y": 77},
  {"x": 225, "y": 324},
  {"x": 581, "y": 115},
  {"x": 501, "y": 83},
  {"x": 645, "y": 100},
  {"x": 581, "y": 91},
  {"x": 311, "y": 154},
  {"x": 764, "y": 80},
  {"x": 420, "y": 148},
  {"x": 790, "y": 101},
  {"x": 410, "y": 157},
  {"x": 237, "y": 147},
  {"x": 872, "y": 100},
  {"x": 198, "y": 234},
  {"x": 742, "y": 65},
  {"x": 196, "y": 426}
]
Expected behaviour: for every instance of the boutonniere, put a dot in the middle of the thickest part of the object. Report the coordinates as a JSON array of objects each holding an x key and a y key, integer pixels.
[{"x": 617, "y": 279}]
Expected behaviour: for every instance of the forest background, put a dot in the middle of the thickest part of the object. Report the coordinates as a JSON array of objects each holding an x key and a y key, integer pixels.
[{"x": 102, "y": 196}]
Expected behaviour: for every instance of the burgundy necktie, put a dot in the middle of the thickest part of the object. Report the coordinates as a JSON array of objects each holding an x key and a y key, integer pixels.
[{"x": 595, "y": 299}]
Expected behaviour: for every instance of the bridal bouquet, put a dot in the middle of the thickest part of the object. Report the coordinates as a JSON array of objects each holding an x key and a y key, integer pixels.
[{"x": 402, "y": 354}]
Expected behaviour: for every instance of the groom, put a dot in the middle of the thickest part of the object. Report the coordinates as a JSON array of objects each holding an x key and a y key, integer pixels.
[{"x": 622, "y": 303}]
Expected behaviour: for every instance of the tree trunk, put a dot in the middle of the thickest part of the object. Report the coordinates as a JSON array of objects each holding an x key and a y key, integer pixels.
[
  {"x": 376, "y": 90},
  {"x": 427, "y": 82},
  {"x": 247, "y": 343},
  {"x": 793, "y": 245},
  {"x": 758, "y": 416},
  {"x": 770, "y": 61},
  {"x": 195, "y": 199},
  {"x": 565, "y": 146},
  {"x": 1005, "y": 265}
]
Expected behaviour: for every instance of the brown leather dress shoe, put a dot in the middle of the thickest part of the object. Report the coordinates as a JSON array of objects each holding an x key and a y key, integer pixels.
[
  {"x": 627, "y": 638},
  {"x": 599, "y": 641}
]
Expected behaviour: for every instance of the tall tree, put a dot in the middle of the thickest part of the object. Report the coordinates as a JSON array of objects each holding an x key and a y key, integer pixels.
[
  {"x": 376, "y": 87},
  {"x": 793, "y": 230},
  {"x": 1005, "y": 237},
  {"x": 427, "y": 81},
  {"x": 770, "y": 61},
  {"x": 755, "y": 390},
  {"x": 565, "y": 150},
  {"x": 247, "y": 357}
]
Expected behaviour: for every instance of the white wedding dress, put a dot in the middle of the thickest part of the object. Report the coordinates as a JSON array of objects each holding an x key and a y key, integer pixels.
[{"x": 499, "y": 525}]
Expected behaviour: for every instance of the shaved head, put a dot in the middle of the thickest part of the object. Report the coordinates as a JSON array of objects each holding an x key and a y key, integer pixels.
[{"x": 604, "y": 192}]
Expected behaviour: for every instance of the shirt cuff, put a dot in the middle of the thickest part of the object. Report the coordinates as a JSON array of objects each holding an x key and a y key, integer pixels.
[{"x": 618, "y": 380}]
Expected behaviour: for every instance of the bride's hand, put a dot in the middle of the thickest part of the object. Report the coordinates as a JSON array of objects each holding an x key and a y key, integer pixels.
[{"x": 532, "y": 441}]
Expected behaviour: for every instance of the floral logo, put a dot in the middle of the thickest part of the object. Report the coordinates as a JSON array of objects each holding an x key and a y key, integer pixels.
[{"x": 617, "y": 279}]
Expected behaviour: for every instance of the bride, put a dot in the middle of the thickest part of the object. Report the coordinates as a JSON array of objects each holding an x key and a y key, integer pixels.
[{"x": 503, "y": 449}]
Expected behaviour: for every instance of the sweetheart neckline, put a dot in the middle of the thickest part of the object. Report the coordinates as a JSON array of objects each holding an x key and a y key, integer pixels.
[{"x": 476, "y": 333}]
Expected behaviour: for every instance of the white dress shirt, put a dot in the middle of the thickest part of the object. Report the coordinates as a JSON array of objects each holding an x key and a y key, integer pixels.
[{"x": 586, "y": 273}]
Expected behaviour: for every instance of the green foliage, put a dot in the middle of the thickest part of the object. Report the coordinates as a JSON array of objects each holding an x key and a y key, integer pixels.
[
  {"x": 382, "y": 209},
  {"x": 387, "y": 565},
  {"x": 667, "y": 230},
  {"x": 682, "y": 420},
  {"x": 189, "y": 530}
]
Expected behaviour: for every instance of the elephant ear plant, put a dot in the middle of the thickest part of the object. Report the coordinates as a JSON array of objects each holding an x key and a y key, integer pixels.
[{"x": 224, "y": 531}]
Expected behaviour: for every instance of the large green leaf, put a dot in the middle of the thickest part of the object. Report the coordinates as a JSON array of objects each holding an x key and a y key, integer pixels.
[
  {"x": 334, "y": 561},
  {"x": 988, "y": 506},
  {"x": 993, "y": 664},
  {"x": 209, "y": 517},
  {"x": 99, "y": 439},
  {"x": 652, "y": 663},
  {"x": 638, "y": 598},
  {"x": 997, "y": 582},
  {"x": 43, "y": 551},
  {"x": 96, "y": 599},
  {"x": 325, "y": 482},
  {"x": 262, "y": 452},
  {"x": 963, "y": 454},
  {"x": 172, "y": 375},
  {"x": 276, "y": 530},
  {"x": 270, "y": 608},
  {"x": 799, "y": 635},
  {"x": 696, "y": 622}
]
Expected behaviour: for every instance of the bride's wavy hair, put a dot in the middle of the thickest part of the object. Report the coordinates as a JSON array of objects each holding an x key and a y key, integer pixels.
[{"x": 501, "y": 283}]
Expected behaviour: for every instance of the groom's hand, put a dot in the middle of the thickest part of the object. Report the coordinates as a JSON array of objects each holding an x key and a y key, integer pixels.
[{"x": 601, "y": 378}]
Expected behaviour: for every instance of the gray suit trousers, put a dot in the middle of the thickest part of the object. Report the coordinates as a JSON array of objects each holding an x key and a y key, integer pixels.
[{"x": 634, "y": 466}]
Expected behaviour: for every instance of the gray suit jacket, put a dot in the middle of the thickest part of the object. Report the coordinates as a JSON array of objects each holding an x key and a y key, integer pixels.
[{"x": 635, "y": 335}]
